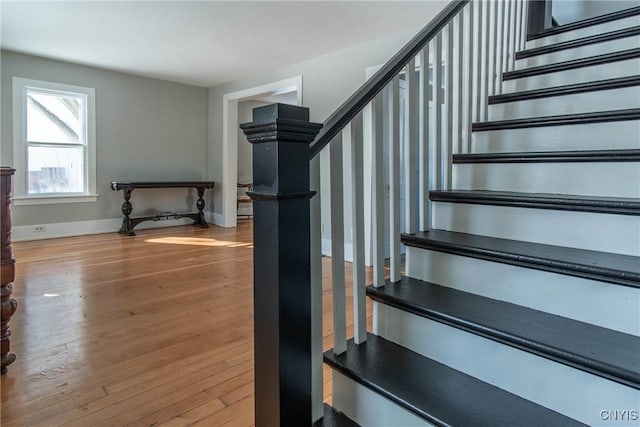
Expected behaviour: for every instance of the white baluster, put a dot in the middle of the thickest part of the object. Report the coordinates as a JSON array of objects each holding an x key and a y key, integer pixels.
[
  {"x": 368, "y": 130},
  {"x": 460, "y": 83},
  {"x": 449, "y": 88},
  {"x": 353, "y": 132},
  {"x": 516, "y": 29},
  {"x": 469, "y": 67},
  {"x": 523, "y": 24},
  {"x": 500, "y": 32},
  {"x": 491, "y": 73},
  {"x": 437, "y": 108},
  {"x": 478, "y": 60},
  {"x": 511, "y": 7},
  {"x": 517, "y": 33},
  {"x": 423, "y": 167},
  {"x": 485, "y": 60},
  {"x": 316, "y": 291},
  {"x": 392, "y": 133},
  {"x": 377, "y": 186},
  {"x": 337, "y": 247},
  {"x": 410, "y": 145}
]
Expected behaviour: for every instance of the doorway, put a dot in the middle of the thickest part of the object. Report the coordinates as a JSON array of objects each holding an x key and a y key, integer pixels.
[{"x": 284, "y": 91}]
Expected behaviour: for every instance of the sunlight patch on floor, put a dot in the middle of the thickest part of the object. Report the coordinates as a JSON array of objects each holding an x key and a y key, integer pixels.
[{"x": 198, "y": 241}]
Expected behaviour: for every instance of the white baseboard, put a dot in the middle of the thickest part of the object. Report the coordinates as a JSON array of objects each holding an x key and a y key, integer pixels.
[{"x": 22, "y": 233}]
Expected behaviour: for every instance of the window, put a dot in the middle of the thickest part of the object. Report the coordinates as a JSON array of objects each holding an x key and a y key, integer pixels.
[{"x": 54, "y": 142}]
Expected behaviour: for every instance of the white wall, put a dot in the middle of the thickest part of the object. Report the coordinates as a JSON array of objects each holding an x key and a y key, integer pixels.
[
  {"x": 147, "y": 129},
  {"x": 328, "y": 81}
]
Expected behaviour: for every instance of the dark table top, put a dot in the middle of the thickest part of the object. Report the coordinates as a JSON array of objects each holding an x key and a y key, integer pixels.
[{"x": 161, "y": 184}]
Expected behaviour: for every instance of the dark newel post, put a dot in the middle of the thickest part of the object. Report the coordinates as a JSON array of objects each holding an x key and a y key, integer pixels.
[{"x": 281, "y": 135}]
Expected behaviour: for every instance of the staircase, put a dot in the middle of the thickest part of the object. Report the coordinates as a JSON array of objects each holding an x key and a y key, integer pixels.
[
  {"x": 522, "y": 305},
  {"x": 519, "y": 303}
]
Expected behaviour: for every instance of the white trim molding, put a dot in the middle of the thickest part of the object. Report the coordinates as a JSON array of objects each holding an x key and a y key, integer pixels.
[
  {"x": 53, "y": 200},
  {"x": 230, "y": 138},
  {"x": 22, "y": 233},
  {"x": 20, "y": 85}
]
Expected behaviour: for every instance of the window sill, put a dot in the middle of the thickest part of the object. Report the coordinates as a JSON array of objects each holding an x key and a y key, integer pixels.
[{"x": 54, "y": 200}]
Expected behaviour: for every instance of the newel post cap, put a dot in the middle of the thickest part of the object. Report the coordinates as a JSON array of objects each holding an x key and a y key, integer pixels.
[{"x": 282, "y": 123}]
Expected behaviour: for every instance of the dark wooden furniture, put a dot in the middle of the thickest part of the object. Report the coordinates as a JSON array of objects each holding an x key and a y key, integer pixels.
[
  {"x": 7, "y": 272},
  {"x": 243, "y": 198},
  {"x": 128, "y": 223}
]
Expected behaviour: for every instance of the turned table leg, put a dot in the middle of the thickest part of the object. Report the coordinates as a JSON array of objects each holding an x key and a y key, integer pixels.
[
  {"x": 127, "y": 208},
  {"x": 8, "y": 305},
  {"x": 201, "y": 221}
]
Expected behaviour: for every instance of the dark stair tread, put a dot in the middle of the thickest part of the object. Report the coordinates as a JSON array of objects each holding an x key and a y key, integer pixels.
[
  {"x": 434, "y": 391},
  {"x": 605, "y": 58},
  {"x": 611, "y": 205},
  {"x": 572, "y": 89},
  {"x": 625, "y": 155},
  {"x": 333, "y": 418},
  {"x": 603, "y": 266},
  {"x": 584, "y": 41},
  {"x": 614, "y": 16},
  {"x": 559, "y": 120},
  {"x": 604, "y": 352}
]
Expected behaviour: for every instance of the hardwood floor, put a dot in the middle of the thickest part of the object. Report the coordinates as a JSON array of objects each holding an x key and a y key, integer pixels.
[{"x": 145, "y": 331}]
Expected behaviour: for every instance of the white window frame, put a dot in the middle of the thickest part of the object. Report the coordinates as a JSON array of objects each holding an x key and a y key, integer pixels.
[{"x": 21, "y": 195}]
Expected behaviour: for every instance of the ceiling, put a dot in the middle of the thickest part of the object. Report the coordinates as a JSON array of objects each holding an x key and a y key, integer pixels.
[{"x": 201, "y": 43}]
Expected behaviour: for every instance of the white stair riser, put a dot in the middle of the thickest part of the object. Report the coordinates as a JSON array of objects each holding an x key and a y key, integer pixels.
[
  {"x": 594, "y": 136},
  {"x": 591, "y": 301},
  {"x": 575, "y": 393},
  {"x": 591, "y": 179},
  {"x": 585, "y": 32},
  {"x": 585, "y": 230},
  {"x": 602, "y": 100},
  {"x": 580, "y": 52},
  {"x": 629, "y": 67},
  {"x": 368, "y": 408}
]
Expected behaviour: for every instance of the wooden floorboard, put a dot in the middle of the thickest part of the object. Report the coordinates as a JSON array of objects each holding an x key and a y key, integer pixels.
[{"x": 151, "y": 330}]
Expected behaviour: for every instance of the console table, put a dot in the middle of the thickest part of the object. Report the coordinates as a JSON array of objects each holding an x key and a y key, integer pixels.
[
  {"x": 127, "y": 188},
  {"x": 7, "y": 273}
]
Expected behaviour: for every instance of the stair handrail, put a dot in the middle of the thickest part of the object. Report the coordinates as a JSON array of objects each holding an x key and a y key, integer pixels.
[{"x": 361, "y": 97}]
